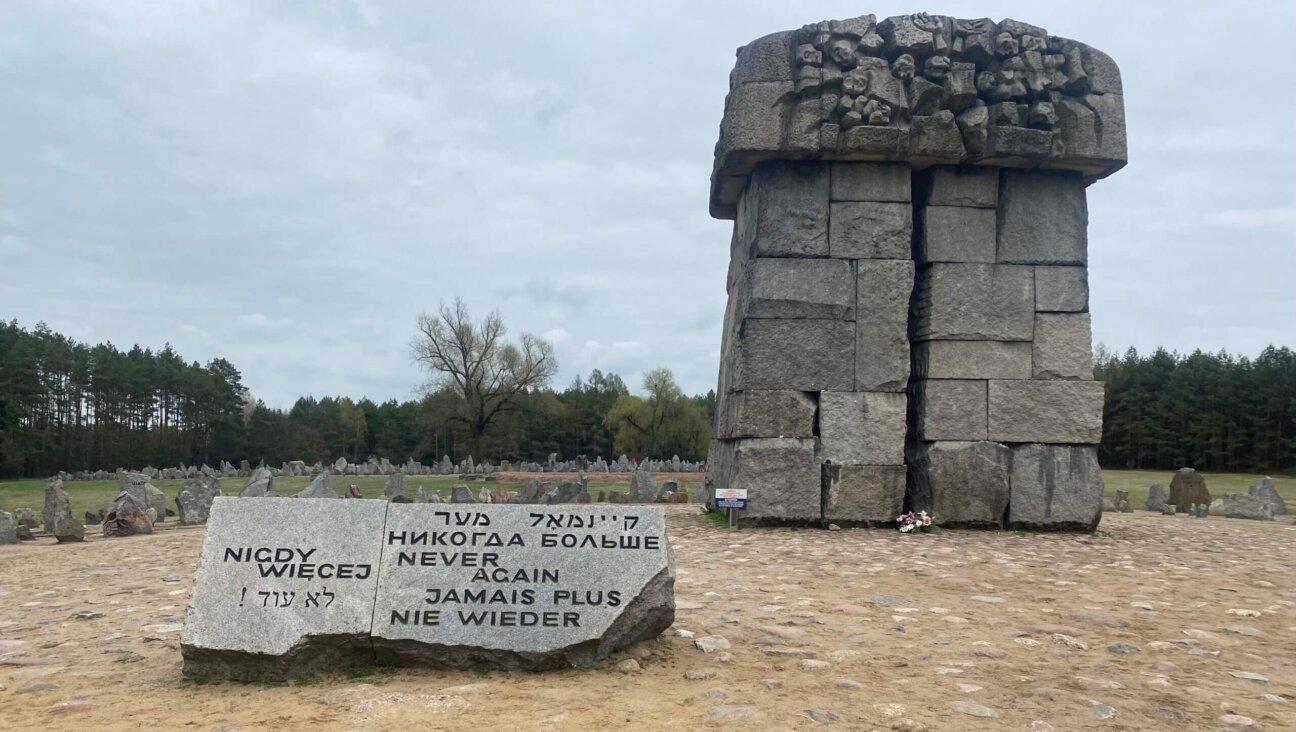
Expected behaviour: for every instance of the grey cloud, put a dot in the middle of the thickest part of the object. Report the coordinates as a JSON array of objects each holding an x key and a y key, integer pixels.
[{"x": 178, "y": 172}]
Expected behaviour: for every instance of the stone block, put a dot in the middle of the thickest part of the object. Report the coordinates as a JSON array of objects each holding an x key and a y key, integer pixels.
[
  {"x": 244, "y": 626},
  {"x": 947, "y": 185},
  {"x": 593, "y": 580},
  {"x": 1012, "y": 145},
  {"x": 784, "y": 211},
  {"x": 870, "y": 495},
  {"x": 1061, "y": 289},
  {"x": 962, "y": 484},
  {"x": 1055, "y": 487},
  {"x": 1043, "y": 218},
  {"x": 1092, "y": 131},
  {"x": 884, "y": 287},
  {"x": 972, "y": 360},
  {"x": 861, "y": 230},
  {"x": 1059, "y": 412},
  {"x": 936, "y": 137},
  {"x": 1242, "y": 506},
  {"x": 862, "y": 428},
  {"x": 975, "y": 302},
  {"x": 800, "y": 355},
  {"x": 798, "y": 288},
  {"x": 955, "y": 234},
  {"x": 1063, "y": 347},
  {"x": 782, "y": 478},
  {"x": 764, "y": 59},
  {"x": 950, "y": 409},
  {"x": 766, "y": 414},
  {"x": 878, "y": 182}
]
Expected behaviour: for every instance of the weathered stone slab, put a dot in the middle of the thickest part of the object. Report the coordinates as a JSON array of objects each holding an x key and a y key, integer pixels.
[
  {"x": 992, "y": 302},
  {"x": 1063, "y": 346},
  {"x": 782, "y": 477},
  {"x": 869, "y": 495},
  {"x": 1188, "y": 488},
  {"x": 321, "y": 486},
  {"x": 1157, "y": 496},
  {"x": 277, "y": 596},
  {"x": 1265, "y": 490},
  {"x": 961, "y": 483},
  {"x": 958, "y": 186},
  {"x": 778, "y": 413},
  {"x": 972, "y": 360},
  {"x": 127, "y": 517},
  {"x": 8, "y": 528},
  {"x": 884, "y": 287},
  {"x": 1058, "y": 412},
  {"x": 522, "y": 587},
  {"x": 1055, "y": 487},
  {"x": 193, "y": 502},
  {"x": 955, "y": 234},
  {"x": 950, "y": 409},
  {"x": 800, "y": 355},
  {"x": 1243, "y": 506},
  {"x": 395, "y": 486},
  {"x": 862, "y": 428},
  {"x": 1061, "y": 289},
  {"x": 860, "y": 230},
  {"x": 1043, "y": 218},
  {"x": 57, "y": 515},
  {"x": 798, "y": 288},
  {"x": 878, "y": 182},
  {"x": 784, "y": 212},
  {"x": 260, "y": 484}
]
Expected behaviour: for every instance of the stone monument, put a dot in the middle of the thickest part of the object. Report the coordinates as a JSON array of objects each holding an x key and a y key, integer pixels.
[
  {"x": 479, "y": 585},
  {"x": 908, "y": 315}
]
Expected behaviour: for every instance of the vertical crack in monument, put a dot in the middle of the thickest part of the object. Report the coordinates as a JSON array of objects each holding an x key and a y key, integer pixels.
[{"x": 908, "y": 314}]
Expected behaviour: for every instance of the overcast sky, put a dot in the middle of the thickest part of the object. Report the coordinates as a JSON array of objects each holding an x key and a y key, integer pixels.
[{"x": 288, "y": 185}]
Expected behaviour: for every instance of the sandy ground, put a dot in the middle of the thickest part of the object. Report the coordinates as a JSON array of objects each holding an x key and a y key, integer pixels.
[{"x": 849, "y": 630}]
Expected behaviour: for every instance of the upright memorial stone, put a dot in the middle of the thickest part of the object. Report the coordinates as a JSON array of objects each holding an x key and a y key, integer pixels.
[
  {"x": 908, "y": 292},
  {"x": 275, "y": 597},
  {"x": 521, "y": 587}
]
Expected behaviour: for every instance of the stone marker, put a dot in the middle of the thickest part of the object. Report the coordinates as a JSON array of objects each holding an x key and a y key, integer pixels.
[
  {"x": 8, "y": 528},
  {"x": 25, "y": 517},
  {"x": 1157, "y": 496},
  {"x": 642, "y": 487},
  {"x": 321, "y": 486},
  {"x": 260, "y": 484},
  {"x": 395, "y": 485},
  {"x": 508, "y": 586},
  {"x": 1264, "y": 489},
  {"x": 195, "y": 498},
  {"x": 1188, "y": 488},
  {"x": 461, "y": 494},
  {"x": 127, "y": 517},
  {"x": 527, "y": 587},
  {"x": 1244, "y": 506},
  {"x": 275, "y": 597},
  {"x": 58, "y": 514}
]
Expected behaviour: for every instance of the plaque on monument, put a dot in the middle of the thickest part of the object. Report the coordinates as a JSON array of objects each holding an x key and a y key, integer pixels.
[{"x": 288, "y": 587}]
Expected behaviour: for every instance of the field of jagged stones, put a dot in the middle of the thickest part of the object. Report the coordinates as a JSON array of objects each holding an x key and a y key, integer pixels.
[{"x": 1155, "y": 622}]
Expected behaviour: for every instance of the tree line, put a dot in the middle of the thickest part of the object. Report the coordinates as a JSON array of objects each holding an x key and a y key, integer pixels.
[
  {"x": 1214, "y": 412},
  {"x": 72, "y": 406}
]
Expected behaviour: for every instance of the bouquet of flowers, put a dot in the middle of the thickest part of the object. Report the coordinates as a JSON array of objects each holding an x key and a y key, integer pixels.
[{"x": 910, "y": 522}]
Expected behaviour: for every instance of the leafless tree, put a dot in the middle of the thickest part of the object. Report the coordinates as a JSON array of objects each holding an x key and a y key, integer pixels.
[{"x": 474, "y": 361}]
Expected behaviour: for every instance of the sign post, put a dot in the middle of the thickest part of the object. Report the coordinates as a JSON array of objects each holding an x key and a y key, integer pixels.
[{"x": 730, "y": 499}]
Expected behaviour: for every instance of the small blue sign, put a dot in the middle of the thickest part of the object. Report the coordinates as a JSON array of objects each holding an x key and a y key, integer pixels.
[{"x": 731, "y": 503}]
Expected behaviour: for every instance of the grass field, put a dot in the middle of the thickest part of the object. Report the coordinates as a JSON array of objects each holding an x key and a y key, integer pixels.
[{"x": 95, "y": 495}]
